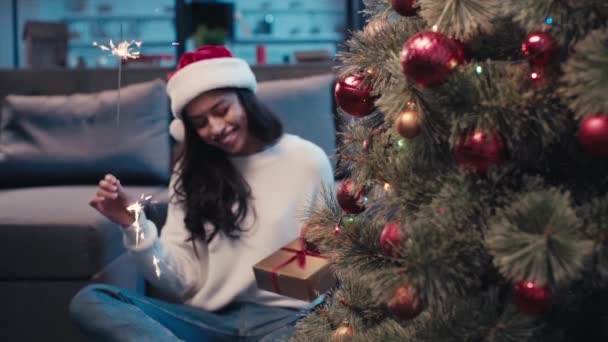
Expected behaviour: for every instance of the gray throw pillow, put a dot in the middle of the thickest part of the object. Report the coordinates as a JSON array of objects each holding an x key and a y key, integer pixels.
[
  {"x": 76, "y": 139},
  {"x": 304, "y": 106}
]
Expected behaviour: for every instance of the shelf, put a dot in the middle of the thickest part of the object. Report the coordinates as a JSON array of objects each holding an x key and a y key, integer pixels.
[
  {"x": 288, "y": 40},
  {"x": 295, "y": 11},
  {"x": 118, "y": 17}
]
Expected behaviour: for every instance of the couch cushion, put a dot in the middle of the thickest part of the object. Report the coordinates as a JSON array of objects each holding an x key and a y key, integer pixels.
[
  {"x": 52, "y": 233},
  {"x": 76, "y": 139},
  {"x": 305, "y": 107}
]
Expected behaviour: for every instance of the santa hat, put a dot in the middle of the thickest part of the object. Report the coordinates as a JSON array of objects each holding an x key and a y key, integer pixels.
[{"x": 209, "y": 67}]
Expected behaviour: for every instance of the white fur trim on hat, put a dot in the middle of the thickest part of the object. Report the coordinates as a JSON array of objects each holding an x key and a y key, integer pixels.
[
  {"x": 199, "y": 77},
  {"x": 177, "y": 130}
]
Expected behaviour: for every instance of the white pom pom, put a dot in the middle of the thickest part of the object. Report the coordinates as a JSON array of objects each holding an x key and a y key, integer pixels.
[{"x": 177, "y": 130}]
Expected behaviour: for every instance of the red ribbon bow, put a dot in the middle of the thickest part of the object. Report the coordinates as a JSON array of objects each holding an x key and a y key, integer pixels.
[{"x": 299, "y": 255}]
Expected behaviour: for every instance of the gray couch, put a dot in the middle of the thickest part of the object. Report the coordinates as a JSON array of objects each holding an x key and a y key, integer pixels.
[{"x": 51, "y": 153}]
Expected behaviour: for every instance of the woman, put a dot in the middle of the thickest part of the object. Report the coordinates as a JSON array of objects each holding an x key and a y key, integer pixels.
[{"x": 238, "y": 193}]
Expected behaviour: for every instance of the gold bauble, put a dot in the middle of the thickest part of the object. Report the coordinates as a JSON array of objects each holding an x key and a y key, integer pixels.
[
  {"x": 408, "y": 124},
  {"x": 405, "y": 304},
  {"x": 343, "y": 333}
]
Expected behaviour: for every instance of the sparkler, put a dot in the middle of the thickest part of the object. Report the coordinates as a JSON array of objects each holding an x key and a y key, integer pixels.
[
  {"x": 137, "y": 208},
  {"x": 124, "y": 51},
  {"x": 155, "y": 261}
]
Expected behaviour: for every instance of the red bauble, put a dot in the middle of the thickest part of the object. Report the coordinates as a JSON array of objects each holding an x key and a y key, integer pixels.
[
  {"x": 404, "y": 304},
  {"x": 479, "y": 150},
  {"x": 539, "y": 48},
  {"x": 428, "y": 58},
  {"x": 353, "y": 97},
  {"x": 391, "y": 238},
  {"x": 405, "y": 7},
  {"x": 463, "y": 51},
  {"x": 593, "y": 135},
  {"x": 349, "y": 202},
  {"x": 531, "y": 298}
]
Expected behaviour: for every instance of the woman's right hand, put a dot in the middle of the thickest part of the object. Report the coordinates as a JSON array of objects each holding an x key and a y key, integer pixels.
[{"x": 112, "y": 201}]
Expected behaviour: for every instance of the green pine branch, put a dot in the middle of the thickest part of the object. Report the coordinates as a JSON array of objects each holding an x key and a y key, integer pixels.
[
  {"x": 595, "y": 217},
  {"x": 377, "y": 8},
  {"x": 571, "y": 19},
  {"x": 585, "y": 79},
  {"x": 462, "y": 19},
  {"x": 443, "y": 256},
  {"x": 482, "y": 317},
  {"x": 499, "y": 97},
  {"x": 373, "y": 48},
  {"x": 538, "y": 237}
]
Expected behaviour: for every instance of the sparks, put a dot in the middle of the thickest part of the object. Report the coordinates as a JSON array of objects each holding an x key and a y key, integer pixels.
[
  {"x": 123, "y": 50},
  {"x": 137, "y": 208},
  {"x": 155, "y": 262}
]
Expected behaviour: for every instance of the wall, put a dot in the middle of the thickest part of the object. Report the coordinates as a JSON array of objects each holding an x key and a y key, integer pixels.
[
  {"x": 6, "y": 34},
  {"x": 297, "y": 25}
]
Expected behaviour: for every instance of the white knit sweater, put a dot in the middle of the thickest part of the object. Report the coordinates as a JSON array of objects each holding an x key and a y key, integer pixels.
[{"x": 285, "y": 180}]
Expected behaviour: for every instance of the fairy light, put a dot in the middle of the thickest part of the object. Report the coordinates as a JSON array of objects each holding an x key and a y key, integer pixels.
[
  {"x": 387, "y": 187},
  {"x": 479, "y": 70},
  {"x": 156, "y": 262},
  {"x": 401, "y": 143},
  {"x": 549, "y": 21}
]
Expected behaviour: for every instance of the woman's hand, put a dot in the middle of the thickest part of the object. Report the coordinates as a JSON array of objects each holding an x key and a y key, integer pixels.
[{"x": 112, "y": 202}]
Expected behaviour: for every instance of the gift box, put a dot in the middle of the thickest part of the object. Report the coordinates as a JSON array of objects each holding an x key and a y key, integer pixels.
[{"x": 295, "y": 272}]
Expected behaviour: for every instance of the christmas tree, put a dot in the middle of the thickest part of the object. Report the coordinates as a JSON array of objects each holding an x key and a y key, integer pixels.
[{"x": 476, "y": 149}]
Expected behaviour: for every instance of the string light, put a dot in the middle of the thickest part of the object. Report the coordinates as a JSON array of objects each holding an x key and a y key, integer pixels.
[
  {"x": 536, "y": 76},
  {"x": 401, "y": 143},
  {"x": 549, "y": 21},
  {"x": 479, "y": 70},
  {"x": 387, "y": 187}
]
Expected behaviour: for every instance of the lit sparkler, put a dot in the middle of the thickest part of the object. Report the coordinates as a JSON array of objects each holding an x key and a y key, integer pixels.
[
  {"x": 137, "y": 208},
  {"x": 155, "y": 262},
  {"x": 124, "y": 51}
]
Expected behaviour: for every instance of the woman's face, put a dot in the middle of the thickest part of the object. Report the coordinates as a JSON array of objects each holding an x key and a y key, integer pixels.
[{"x": 220, "y": 120}]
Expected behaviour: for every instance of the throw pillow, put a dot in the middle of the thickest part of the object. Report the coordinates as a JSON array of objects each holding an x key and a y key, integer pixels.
[{"x": 76, "y": 139}]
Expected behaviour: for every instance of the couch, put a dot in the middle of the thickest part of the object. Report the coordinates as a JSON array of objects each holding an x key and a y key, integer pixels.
[{"x": 53, "y": 148}]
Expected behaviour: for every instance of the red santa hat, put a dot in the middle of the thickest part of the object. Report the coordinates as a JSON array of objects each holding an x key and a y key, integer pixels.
[{"x": 209, "y": 67}]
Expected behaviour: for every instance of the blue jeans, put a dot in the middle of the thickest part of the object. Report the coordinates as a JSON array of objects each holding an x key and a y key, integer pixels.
[{"x": 109, "y": 313}]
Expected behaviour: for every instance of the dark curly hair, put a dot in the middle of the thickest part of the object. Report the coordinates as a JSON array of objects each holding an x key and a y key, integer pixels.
[{"x": 208, "y": 186}]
